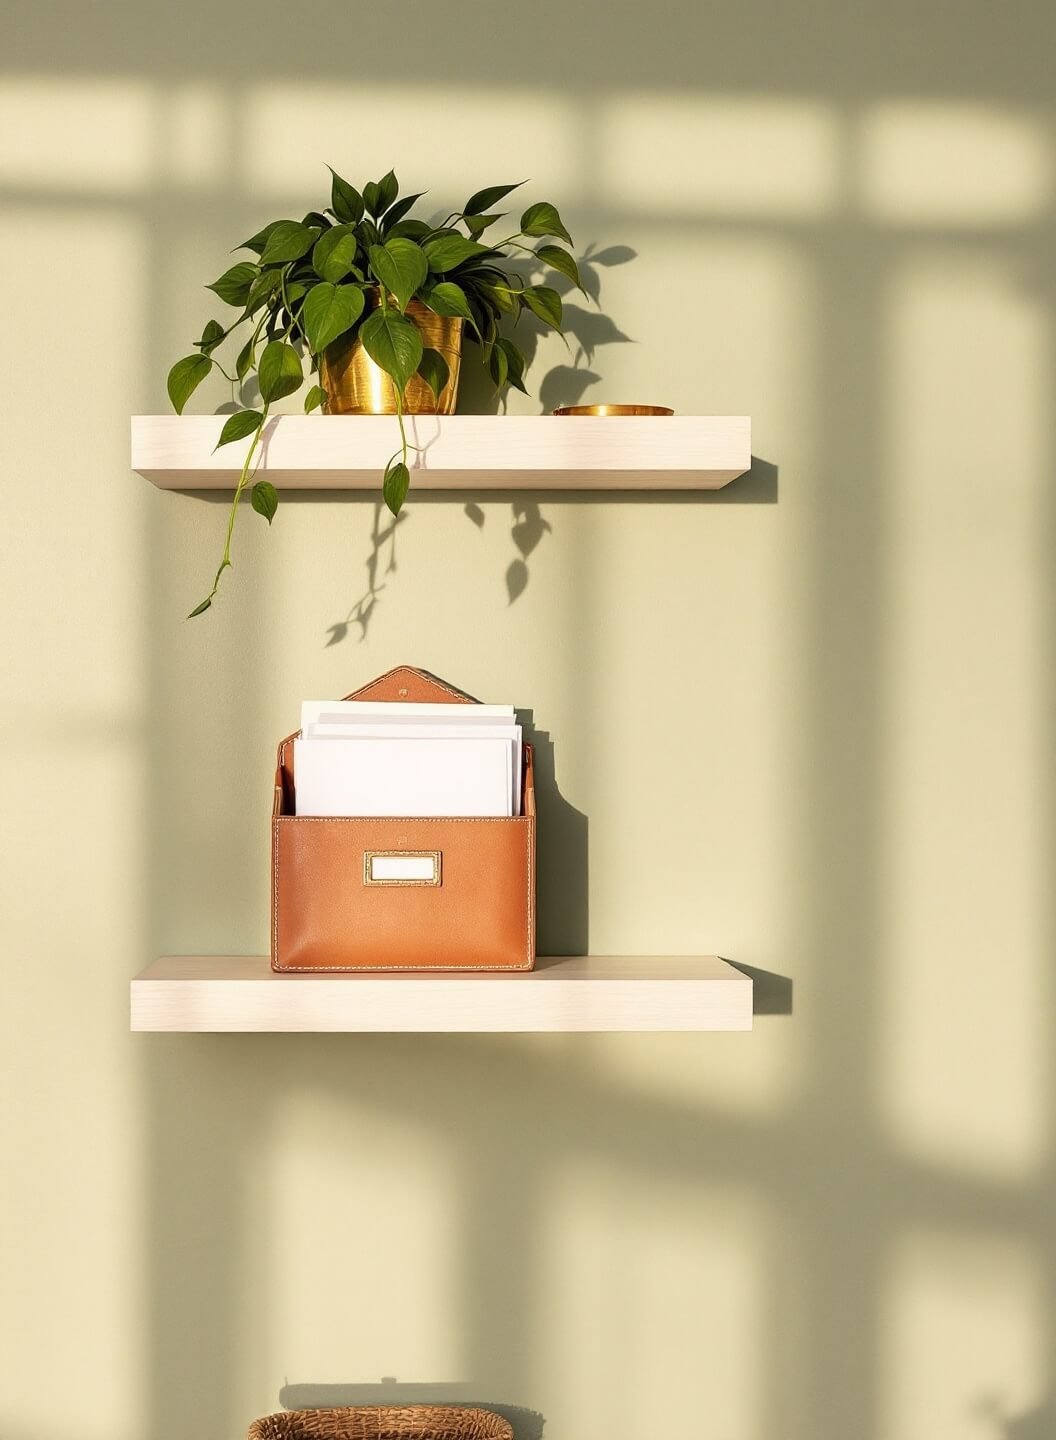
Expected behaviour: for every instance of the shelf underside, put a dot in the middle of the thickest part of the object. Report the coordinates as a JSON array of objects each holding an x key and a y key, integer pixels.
[
  {"x": 570, "y": 993},
  {"x": 455, "y": 452}
]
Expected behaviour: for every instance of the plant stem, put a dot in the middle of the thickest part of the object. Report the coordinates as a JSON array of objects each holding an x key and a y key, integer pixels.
[{"x": 243, "y": 481}]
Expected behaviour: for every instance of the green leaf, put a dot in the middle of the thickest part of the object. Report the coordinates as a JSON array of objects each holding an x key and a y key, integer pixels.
[
  {"x": 401, "y": 267},
  {"x": 434, "y": 370},
  {"x": 239, "y": 425},
  {"x": 244, "y": 363},
  {"x": 478, "y": 203},
  {"x": 393, "y": 342},
  {"x": 504, "y": 298},
  {"x": 233, "y": 285},
  {"x": 289, "y": 241},
  {"x": 388, "y": 189},
  {"x": 185, "y": 377},
  {"x": 211, "y": 337},
  {"x": 328, "y": 312},
  {"x": 396, "y": 212},
  {"x": 395, "y": 486},
  {"x": 499, "y": 366},
  {"x": 335, "y": 252},
  {"x": 477, "y": 224},
  {"x": 447, "y": 251},
  {"x": 543, "y": 219},
  {"x": 265, "y": 499},
  {"x": 447, "y": 298},
  {"x": 262, "y": 289},
  {"x": 561, "y": 261},
  {"x": 514, "y": 364},
  {"x": 260, "y": 239},
  {"x": 408, "y": 229},
  {"x": 545, "y": 304},
  {"x": 201, "y": 608},
  {"x": 316, "y": 396},
  {"x": 345, "y": 200},
  {"x": 279, "y": 371}
]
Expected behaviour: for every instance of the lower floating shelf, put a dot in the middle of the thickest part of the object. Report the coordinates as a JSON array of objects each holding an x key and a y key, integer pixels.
[{"x": 581, "y": 992}]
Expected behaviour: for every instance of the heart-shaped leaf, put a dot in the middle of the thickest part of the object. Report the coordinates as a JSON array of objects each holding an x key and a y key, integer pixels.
[
  {"x": 401, "y": 267},
  {"x": 212, "y": 335},
  {"x": 185, "y": 377},
  {"x": 434, "y": 370},
  {"x": 395, "y": 486},
  {"x": 447, "y": 251},
  {"x": 279, "y": 371},
  {"x": 498, "y": 365},
  {"x": 396, "y": 212},
  {"x": 477, "y": 224},
  {"x": 561, "y": 261},
  {"x": 345, "y": 200},
  {"x": 265, "y": 499},
  {"x": 244, "y": 363},
  {"x": 478, "y": 203},
  {"x": 289, "y": 241},
  {"x": 545, "y": 304},
  {"x": 262, "y": 289},
  {"x": 447, "y": 298},
  {"x": 328, "y": 312},
  {"x": 408, "y": 229},
  {"x": 233, "y": 285},
  {"x": 334, "y": 254},
  {"x": 239, "y": 425},
  {"x": 393, "y": 342},
  {"x": 316, "y": 396},
  {"x": 514, "y": 364},
  {"x": 543, "y": 219},
  {"x": 388, "y": 189},
  {"x": 260, "y": 239}
]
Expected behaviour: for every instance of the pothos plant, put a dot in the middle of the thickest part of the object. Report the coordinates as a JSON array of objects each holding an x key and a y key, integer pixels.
[{"x": 308, "y": 287}]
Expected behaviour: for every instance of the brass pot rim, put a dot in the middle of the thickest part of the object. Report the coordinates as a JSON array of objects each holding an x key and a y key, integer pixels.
[{"x": 606, "y": 412}]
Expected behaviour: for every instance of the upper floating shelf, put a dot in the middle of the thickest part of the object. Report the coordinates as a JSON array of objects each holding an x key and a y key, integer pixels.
[{"x": 457, "y": 452}]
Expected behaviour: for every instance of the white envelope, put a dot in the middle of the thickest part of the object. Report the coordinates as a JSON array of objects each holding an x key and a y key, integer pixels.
[{"x": 403, "y": 776}]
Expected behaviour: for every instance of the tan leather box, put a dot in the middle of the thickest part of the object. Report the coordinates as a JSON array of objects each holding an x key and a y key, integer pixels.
[{"x": 472, "y": 906}]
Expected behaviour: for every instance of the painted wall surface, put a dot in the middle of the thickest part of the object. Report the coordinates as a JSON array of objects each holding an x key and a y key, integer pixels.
[{"x": 805, "y": 723}]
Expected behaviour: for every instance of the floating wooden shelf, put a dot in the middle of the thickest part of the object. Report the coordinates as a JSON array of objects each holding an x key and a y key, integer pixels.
[
  {"x": 457, "y": 452},
  {"x": 239, "y": 993}
]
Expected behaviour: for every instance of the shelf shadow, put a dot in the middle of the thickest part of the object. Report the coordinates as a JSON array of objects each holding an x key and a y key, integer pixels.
[
  {"x": 771, "y": 994},
  {"x": 562, "y": 858},
  {"x": 527, "y": 1424}
]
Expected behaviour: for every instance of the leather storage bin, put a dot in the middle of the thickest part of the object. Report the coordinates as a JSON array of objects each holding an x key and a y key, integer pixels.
[{"x": 474, "y": 911}]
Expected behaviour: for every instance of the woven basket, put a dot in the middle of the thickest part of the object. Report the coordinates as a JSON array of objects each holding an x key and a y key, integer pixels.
[{"x": 383, "y": 1422}]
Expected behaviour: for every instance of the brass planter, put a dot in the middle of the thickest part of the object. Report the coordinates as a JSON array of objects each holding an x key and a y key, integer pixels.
[{"x": 354, "y": 385}]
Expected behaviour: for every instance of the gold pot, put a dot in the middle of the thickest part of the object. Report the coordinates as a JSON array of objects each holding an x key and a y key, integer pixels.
[{"x": 354, "y": 385}]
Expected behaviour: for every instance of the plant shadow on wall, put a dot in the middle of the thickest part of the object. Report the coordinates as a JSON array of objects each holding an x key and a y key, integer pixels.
[{"x": 586, "y": 331}]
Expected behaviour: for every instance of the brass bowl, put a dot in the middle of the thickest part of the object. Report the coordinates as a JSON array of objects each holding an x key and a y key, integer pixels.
[
  {"x": 354, "y": 385},
  {"x": 614, "y": 410}
]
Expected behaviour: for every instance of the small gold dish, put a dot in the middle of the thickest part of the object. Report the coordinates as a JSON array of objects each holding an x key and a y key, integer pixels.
[{"x": 614, "y": 410}]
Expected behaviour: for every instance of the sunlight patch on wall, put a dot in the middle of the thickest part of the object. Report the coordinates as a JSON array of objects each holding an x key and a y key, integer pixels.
[
  {"x": 294, "y": 131},
  {"x": 965, "y": 973},
  {"x": 659, "y": 1301},
  {"x": 727, "y": 156},
  {"x": 76, "y": 135},
  {"x": 198, "y": 136},
  {"x": 366, "y": 1204},
  {"x": 945, "y": 164},
  {"x": 962, "y": 1337}
]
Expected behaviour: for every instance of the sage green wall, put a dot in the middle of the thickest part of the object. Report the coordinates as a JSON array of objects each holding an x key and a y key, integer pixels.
[{"x": 808, "y": 722}]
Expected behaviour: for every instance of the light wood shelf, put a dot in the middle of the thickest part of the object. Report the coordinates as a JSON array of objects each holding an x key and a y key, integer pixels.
[
  {"x": 458, "y": 452},
  {"x": 577, "y": 993}
]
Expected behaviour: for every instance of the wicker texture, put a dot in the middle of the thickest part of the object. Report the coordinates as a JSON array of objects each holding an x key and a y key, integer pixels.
[{"x": 383, "y": 1422}]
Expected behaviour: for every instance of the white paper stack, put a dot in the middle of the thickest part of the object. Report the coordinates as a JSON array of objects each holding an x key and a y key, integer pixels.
[{"x": 356, "y": 757}]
